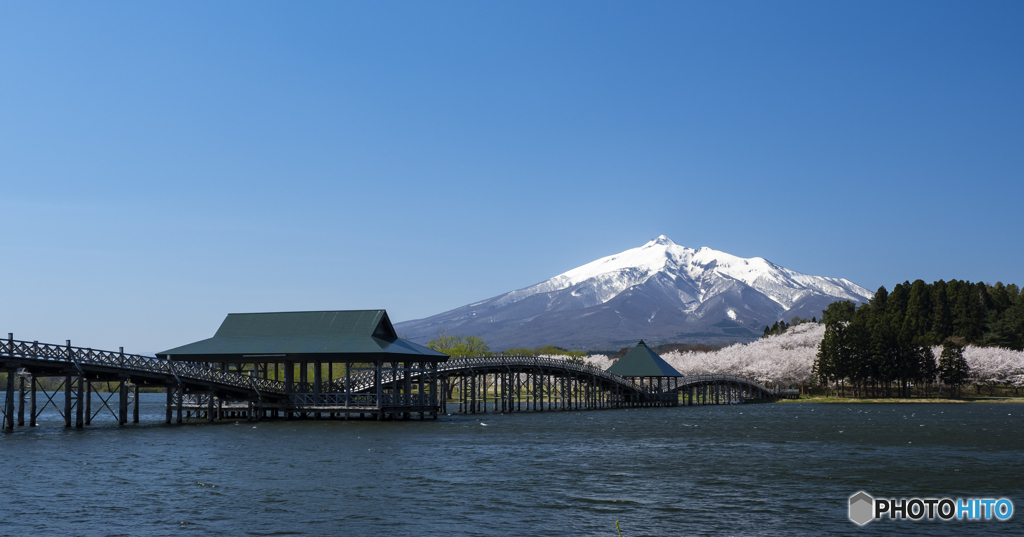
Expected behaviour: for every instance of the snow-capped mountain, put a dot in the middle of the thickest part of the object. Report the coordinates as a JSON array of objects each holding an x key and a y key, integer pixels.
[{"x": 660, "y": 292}]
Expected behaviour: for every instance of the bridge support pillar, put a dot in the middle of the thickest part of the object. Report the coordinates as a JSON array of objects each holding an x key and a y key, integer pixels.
[
  {"x": 169, "y": 409},
  {"x": 9, "y": 401},
  {"x": 135, "y": 404},
  {"x": 67, "y": 401},
  {"x": 181, "y": 403},
  {"x": 32, "y": 404},
  {"x": 209, "y": 408},
  {"x": 88, "y": 402},
  {"x": 21, "y": 399},
  {"x": 122, "y": 403},
  {"x": 80, "y": 408}
]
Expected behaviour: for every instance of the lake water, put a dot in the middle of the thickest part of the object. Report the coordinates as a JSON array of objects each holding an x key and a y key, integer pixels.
[{"x": 769, "y": 469}]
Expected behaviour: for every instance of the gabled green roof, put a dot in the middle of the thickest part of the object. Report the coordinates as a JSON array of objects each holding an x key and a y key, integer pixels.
[
  {"x": 641, "y": 361},
  {"x": 358, "y": 335}
]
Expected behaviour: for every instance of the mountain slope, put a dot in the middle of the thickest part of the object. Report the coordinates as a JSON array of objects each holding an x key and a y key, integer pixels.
[{"x": 659, "y": 292}]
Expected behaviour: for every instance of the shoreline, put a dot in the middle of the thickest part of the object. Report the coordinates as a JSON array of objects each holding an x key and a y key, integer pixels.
[{"x": 872, "y": 400}]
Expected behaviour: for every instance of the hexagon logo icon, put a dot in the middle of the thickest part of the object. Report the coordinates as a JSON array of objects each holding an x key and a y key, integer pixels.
[{"x": 862, "y": 508}]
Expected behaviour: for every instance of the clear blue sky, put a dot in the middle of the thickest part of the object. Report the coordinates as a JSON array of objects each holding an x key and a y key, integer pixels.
[{"x": 164, "y": 164}]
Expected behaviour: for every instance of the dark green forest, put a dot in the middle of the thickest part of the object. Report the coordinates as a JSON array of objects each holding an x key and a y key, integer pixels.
[{"x": 884, "y": 347}]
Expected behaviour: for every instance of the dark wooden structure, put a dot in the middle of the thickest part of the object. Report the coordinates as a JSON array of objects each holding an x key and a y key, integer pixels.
[{"x": 325, "y": 360}]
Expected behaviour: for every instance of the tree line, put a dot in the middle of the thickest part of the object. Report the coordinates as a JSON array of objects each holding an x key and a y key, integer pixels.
[
  {"x": 885, "y": 345},
  {"x": 459, "y": 346},
  {"x": 780, "y": 327}
]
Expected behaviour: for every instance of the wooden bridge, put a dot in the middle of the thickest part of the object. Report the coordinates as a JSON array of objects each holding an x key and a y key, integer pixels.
[{"x": 467, "y": 385}]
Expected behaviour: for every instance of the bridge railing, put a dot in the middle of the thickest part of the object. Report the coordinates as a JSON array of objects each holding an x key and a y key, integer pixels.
[
  {"x": 78, "y": 356},
  {"x": 483, "y": 362},
  {"x": 366, "y": 380},
  {"x": 707, "y": 378}
]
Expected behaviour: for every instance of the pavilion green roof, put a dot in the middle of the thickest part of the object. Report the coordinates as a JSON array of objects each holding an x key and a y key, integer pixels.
[
  {"x": 641, "y": 361},
  {"x": 355, "y": 335}
]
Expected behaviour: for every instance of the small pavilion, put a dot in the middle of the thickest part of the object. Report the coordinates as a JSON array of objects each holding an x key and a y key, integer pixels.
[
  {"x": 333, "y": 362},
  {"x": 644, "y": 367}
]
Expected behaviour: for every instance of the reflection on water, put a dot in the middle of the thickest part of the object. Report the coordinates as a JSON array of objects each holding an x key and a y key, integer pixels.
[{"x": 751, "y": 469}]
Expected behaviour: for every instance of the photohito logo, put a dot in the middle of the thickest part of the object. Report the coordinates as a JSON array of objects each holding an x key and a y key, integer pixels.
[{"x": 864, "y": 508}]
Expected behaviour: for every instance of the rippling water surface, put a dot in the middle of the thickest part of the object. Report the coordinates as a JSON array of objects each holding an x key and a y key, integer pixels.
[{"x": 750, "y": 469}]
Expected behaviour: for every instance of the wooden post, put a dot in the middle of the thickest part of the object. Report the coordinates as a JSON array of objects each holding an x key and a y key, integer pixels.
[
  {"x": 21, "y": 400},
  {"x": 32, "y": 404},
  {"x": 122, "y": 403},
  {"x": 170, "y": 404},
  {"x": 209, "y": 408},
  {"x": 304, "y": 382},
  {"x": 378, "y": 372},
  {"x": 67, "y": 394},
  {"x": 289, "y": 378},
  {"x": 80, "y": 408},
  {"x": 135, "y": 403},
  {"x": 348, "y": 385},
  {"x": 424, "y": 401},
  {"x": 9, "y": 401},
  {"x": 407, "y": 399},
  {"x": 181, "y": 401},
  {"x": 88, "y": 402},
  {"x": 317, "y": 378}
]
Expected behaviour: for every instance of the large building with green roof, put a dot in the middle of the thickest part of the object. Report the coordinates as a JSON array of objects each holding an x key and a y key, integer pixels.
[{"x": 328, "y": 362}]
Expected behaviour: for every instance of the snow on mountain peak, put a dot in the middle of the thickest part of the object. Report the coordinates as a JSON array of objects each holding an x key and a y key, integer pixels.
[
  {"x": 661, "y": 240},
  {"x": 609, "y": 276},
  {"x": 661, "y": 291}
]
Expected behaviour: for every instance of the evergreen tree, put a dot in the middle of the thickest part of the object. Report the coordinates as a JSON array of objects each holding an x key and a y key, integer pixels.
[
  {"x": 1001, "y": 300},
  {"x": 878, "y": 301},
  {"x": 917, "y": 320},
  {"x": 928, "y": 369},
  {"x": 953, "y": 368},
  {"x": 984, "y": 297},
  {"x": 862, "y": 369},
  {"x": 838, "y": 312},
  {"x": 1007, "y": 330},
  {"x": 974, "y": 322},
  {"x": 835, "y": 352},
  {"x": 942, "y": 321},
  {"x": 896, "y": 305}
]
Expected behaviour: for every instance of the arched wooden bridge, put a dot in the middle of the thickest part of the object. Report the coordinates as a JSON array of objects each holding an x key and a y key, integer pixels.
[
  {"x": 468, "y": 385},
  {"x": 517, "y": 383}
]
